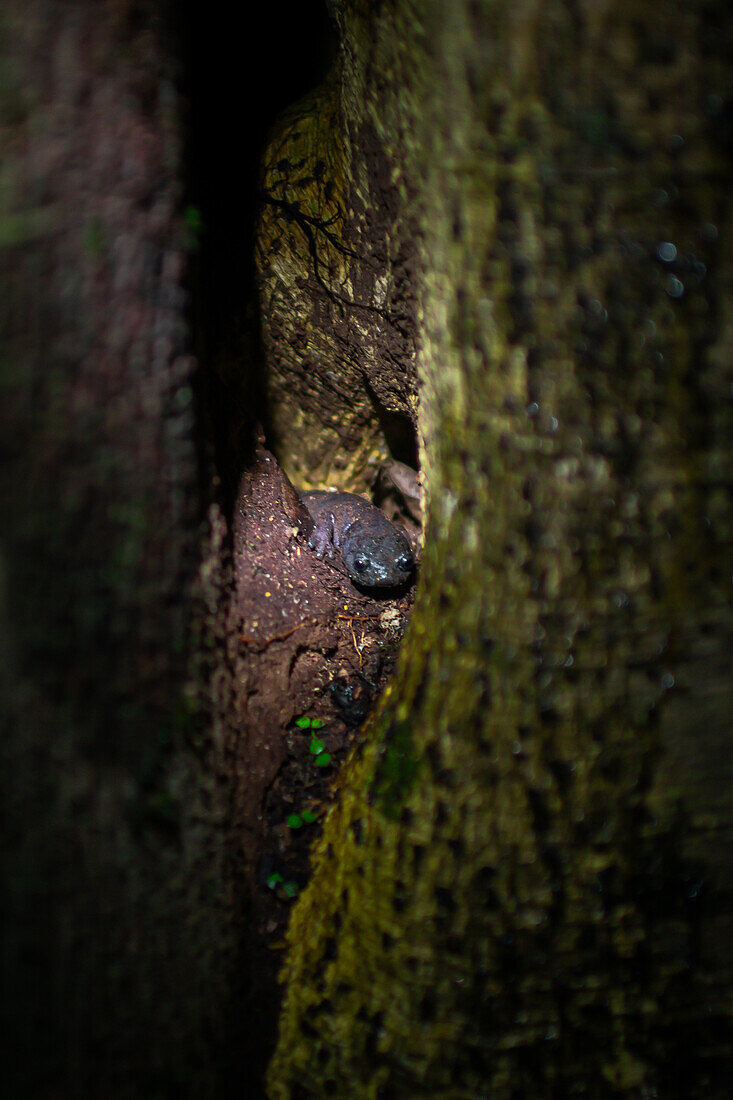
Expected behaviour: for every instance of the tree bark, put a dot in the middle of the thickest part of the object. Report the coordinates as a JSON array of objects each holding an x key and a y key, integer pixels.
[
  {"x": 119, "y": 946},
  {"x": 505, "y": 231},
  {"x": 524, "y": 888}
]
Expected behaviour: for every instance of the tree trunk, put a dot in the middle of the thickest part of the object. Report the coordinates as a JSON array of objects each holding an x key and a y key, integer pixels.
[
  {"x": 501, "y": 232},
  {"x": 118, "y": 944},
  {"x": 521, "y": 214}
]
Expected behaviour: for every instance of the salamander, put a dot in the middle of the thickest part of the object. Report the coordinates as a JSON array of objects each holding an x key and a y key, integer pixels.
[{"x": 375, "y": 551}]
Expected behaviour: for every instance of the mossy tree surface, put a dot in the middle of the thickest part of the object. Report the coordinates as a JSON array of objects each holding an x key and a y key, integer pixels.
[{"x": 503, "y": 901}]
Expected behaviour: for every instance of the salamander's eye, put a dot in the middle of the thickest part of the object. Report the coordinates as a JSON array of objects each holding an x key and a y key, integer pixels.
[
  {"x": 405, "y": 562},
  {"x": 360, "y": 564}
]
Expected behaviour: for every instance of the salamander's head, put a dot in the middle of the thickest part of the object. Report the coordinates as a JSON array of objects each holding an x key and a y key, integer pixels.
[{"x": 384, "y": 560}]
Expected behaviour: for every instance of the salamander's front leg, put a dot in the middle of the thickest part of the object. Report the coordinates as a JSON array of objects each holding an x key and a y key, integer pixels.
[{"x": 322, "y": 538}]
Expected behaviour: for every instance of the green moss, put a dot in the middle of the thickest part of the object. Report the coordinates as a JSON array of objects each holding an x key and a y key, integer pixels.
[
  {"x": 396, "y": 769},
  {"x": 483, "y": 918}
]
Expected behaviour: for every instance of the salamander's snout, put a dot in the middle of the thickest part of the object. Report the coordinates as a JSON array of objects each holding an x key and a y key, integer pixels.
[{"x": 405, "y": 562}]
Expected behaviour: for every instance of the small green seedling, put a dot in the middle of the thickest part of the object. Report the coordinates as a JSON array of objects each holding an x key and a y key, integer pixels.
[
  {"x": 296, "y": 821},
  {"x": 275, "y": 880},
  {"x": 309, "y": 723},
  {"x": 317, "y": 746}
]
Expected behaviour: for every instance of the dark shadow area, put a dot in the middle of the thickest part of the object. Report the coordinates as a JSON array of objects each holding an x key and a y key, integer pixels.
[
  {"x": 235, "y": 86},
  {"x": 399, "y": 435}
]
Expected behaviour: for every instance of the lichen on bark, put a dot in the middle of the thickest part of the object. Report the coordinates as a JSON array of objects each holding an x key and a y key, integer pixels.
[{"x": 502, "y": 902}]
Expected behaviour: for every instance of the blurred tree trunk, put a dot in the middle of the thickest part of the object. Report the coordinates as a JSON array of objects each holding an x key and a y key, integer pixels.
[
  {"x": 523, "y": 213},
  {"x": 118, "y": 948}
]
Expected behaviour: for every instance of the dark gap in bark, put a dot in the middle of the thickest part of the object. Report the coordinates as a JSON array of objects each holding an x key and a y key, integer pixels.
[{"x": 236, "y": 86}]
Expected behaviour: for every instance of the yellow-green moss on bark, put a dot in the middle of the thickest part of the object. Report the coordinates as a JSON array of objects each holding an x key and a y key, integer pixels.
[{"x": 501, "y": 903}]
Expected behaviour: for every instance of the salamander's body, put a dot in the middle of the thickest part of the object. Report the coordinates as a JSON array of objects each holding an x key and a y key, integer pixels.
[{"x": 375, "y": 551}]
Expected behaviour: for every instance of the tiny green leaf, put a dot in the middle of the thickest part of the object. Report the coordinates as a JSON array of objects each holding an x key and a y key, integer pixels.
[
  {"x": 317, "y": 746},
  {"x": 274, "y": 879},
  {"x": 317, "y": 723},
  {"x": 309, "y": 817},
  {"x": 304, "y": 723},
  {"x": 291, "y": 889},
  {"x": 323, "y": 760},
  {"x": 294, "y": 821}
]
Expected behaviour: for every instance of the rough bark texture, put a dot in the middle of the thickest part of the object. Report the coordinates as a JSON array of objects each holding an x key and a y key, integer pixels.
[
  {"x": 524, "y": 889},
  {"x": 335, "y": 255},
  {"x": 117, "y": 950}
]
